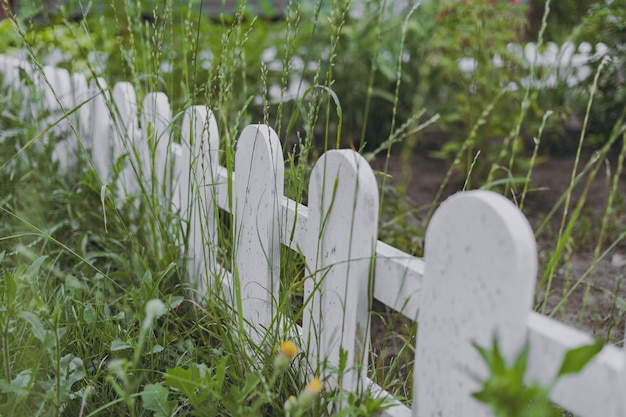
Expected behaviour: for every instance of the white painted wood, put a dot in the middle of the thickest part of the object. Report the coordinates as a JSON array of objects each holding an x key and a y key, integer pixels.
[
  {"x": 10, "y": 71},
  {"x": 597, "y": 391},
  {"x": 258, "y": 194},
  {"x": 11, "y": 68},
  {"x": 57, "y": 89},
  {"x": 82, "y": 116},
  {"x": 481, "y": 265},
  {"x": 156, "y": 118},
  {"x": 100, "y": 124},
  {"x": 342, "y": 229},
  {"x": 294, "y": 219},
  {"x": 125, "y": 137},
  {"x": 398, "y": 279},
  {"x": 56, "y": 85},
  {"x": 194, "y": 182},
  {"x": 402, "y": 273}
]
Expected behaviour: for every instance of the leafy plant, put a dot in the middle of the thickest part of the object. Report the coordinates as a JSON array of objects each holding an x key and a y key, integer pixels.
[{"x": 505, "y": 390}]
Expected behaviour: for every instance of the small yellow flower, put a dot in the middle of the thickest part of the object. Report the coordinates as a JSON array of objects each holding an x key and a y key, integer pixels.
[
  {"x": 309, "y": 393},
  {"x": 287, "y": 352},
  {"x": 314, "y": 387},
  {"x": 291, "y": 405},
  {"x": 288, "y": 349}
]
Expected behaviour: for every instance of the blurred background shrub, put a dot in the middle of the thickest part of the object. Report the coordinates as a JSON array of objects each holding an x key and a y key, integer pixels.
[{"x": 390, "y": 66}]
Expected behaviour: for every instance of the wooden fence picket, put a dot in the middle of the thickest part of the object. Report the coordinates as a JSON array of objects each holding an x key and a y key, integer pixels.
[
  {"x": 125, "y": 138},
  {"x": 9, "y": 67},
  {"x": 100, "y": 126},
  {"x": 81, "y": 118},
  {"x": 194, "y": 182},
  {"x": 258, "y": 191},
  {"x": 57, "y": 88},
  {"x": 481, "y": 264},
  {"x": 342, "y": 231},
  {"x": 56, "y": 85},
  {"x": 156, "y": 117}
]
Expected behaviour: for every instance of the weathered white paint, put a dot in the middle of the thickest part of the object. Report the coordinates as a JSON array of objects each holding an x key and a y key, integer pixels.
[
  {"x": 258, "y": 192},
  {"x": 481, "y": 265},
  {"x": 156, "y": 119},
  {"x": 194, "y": 181},
  {"x": 56, "y": 85},
  {"x": 125, "y": 140},
  {"x": 342, "y": 230},
  {"x": 56, "y": 89},
  {"x": 81, "y": 118},
  {"x": 100, "y": 123},
  {"x": 399, "y": 279},
  {"x": 10, "y": 72},
  {"x": 479, "y": 250},
  {"x": 597, "y": 391}
]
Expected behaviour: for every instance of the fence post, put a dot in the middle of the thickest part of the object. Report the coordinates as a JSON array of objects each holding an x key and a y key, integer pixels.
[
  {"x": 100, "y": 124},
  {"x": 194, "y": 182},
  {"x": 259, "y": 170},
  {"x": 481, "y": 264},
  {"x": 81, "y": 118},
  {"x": 156, "y": 117},
  {"x": 125, "y": 133},
  {"x": 56, "y": 85},
  {"x": 342, "y": 232}
]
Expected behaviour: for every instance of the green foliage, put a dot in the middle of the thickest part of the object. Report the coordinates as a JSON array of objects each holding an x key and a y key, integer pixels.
[
  {"x": 199, "y": 385},
  {"x": 576, "y": 359},
  {"x": 155, "y": 398},
  {"x": 564, "y": 15},
  {"x": 505, "y": 390},
  {"x": 607, "y": 24},
  {"x": 477, "y": 103}
]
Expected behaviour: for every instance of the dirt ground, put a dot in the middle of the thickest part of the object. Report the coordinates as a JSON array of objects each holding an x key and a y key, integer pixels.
[{"x": 604, "y": 312}]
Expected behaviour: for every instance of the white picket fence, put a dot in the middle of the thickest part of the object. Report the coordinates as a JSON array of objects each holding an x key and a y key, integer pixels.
[{"x": 477, "y": 276}]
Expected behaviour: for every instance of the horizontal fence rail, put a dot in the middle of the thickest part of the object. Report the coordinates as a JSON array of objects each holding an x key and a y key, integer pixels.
[{"x": 477, "y": 277}]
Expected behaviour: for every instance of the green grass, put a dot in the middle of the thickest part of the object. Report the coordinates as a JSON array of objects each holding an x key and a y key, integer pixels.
[{"x": 80, "y": 329}]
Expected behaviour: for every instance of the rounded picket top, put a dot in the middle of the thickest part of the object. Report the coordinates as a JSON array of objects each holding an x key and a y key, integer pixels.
[
  {"x": 199, "y": 147},
  {"x": 56, "y": 86},
  {"x": 100, "y": 124},
  {"x": 57, "y": 89},
  {"x": 342, "y": 229},
  {"x": 57, "y": 100},
  {"x": 125, "y": 110},
  {"x": 480, "y": 273},
  {"x": 259, "y": 186},
  {"x": 200, "y": 141},
  {"x": 262, "y": 140},
  {"x": 200, "y": 127},
  {"x": 157, "y": 115}
]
